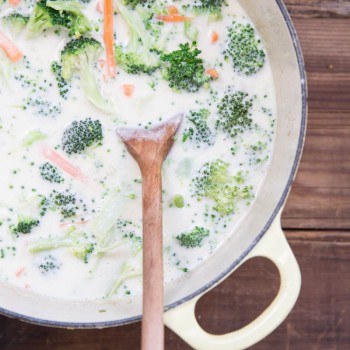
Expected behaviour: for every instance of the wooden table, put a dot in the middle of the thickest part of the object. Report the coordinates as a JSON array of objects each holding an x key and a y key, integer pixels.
[{"x": 316, "y": 221}]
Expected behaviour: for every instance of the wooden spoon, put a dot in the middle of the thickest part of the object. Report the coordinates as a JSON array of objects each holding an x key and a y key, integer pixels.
[{"x": 149, "y": 147}]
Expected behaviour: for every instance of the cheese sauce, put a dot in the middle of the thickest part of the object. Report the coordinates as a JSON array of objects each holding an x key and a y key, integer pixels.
[{"x": 97, "y": 252}]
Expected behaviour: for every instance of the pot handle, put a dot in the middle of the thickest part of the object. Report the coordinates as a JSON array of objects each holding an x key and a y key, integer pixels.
[{"x": 273, "y": 246}]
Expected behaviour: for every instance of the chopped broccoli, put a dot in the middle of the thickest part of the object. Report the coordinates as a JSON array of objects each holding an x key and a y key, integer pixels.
[
  {"x": 193, "y": 238},
  {"x": 32, "y": 137},
  {"x": 50, "y": 173},
  {"x": 81, "y": 135},
  {"x": 178, "y": 201},
  {"x": 234, "y": 113},
  {"x": 134, "y": 3},
  {"x": 127, "y": 272},
  {"x": 78, "y": 23},
  {"x": 244, "y": 48},
  {"x": 49, "y": 264},
  {"x": 77, "y": 242},
  {"x": 67, "y": 203},
  {"x": 140, "y": 55},
  {"x": 80, "y": 55},
  {"x": 199, "y": 131},
  {"x": 44, "y": 17},
  {"x": 212, "y": 7},
  {"x": 190, "y": 31},
  {"x": 15, "y": 21},
  {"x": 183, "y": 69},
  {"x": 24, "y": 225},
  {"x": 213, "y": 181},
  {"x": 62, "y": 84}
]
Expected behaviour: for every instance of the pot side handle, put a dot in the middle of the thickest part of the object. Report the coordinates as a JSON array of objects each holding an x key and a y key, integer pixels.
[{"x": 273, "y": 246}]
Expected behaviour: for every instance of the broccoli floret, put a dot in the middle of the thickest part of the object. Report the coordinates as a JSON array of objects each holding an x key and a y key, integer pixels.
[
  {"x": 199, "y": 131},
  {"x": 212, "y": 7},
  {"x": 24, "y": 225},
  {"x": 244, "y": 48},
  {"x": 193, "y": 238},
  {"x": 213, "y": 181},
  {"x": 49, "y": 264},
  {"x": 44, "y": 17},
  {"x": 78, "y": 22},
  {"x": 140, "y": 55},
  {"x": 234, "y": 113},
  {"x": 15, "y": 21},
  {"x": 62, "y": 84},
  {"x": 81, "y": 135},
  {"x": 80, "y": 55},
  {"x": 50, "y": 173},
  {"x": 77, "y": 242},
  {"x": 183, "y": 69},
  {"x": 134, "y": 3}
]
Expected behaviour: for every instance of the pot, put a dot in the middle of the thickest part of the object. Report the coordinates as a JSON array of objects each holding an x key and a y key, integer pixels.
[{"x": 259, "y": 233}]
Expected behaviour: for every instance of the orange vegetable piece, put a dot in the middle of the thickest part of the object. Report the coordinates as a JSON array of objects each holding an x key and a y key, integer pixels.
[
  {"x": 213, "y": 73},
  {"x": 10, "y": 49},
  {"x": 128, "y": 89},
  {"x": 172, "y": 10},
  {"x": 214, "y": 37},
  {"x": 108, "y": 36},
  {"x": 173, "y": 18}
]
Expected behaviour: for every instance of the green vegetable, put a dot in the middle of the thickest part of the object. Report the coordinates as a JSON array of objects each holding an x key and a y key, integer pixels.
[
  {"x": 15, "y": 21},
  {"x": 50, "y": 173},
  {"x": 134, "y": 3},
  {"x": 32, "y": 137},
  {"x": 49, "y": 264},
  {"x": 178, "y": 200},
  {"x": 244, "y": 48},
  {"x": 24, "y": 225},
  {"x": 78, "y": 23},
  {"x": 63, "y": 86},
  {"x": 193, "y": 238},
  {"x": 199, "y": 131},
  {"x": 212, "y": 7},
  {"x": 140, "y": 55},
  {"x": 234, "y": 113},
  {"x": 183, "y": 69},
  {"x": 190, "y": 31},
  {"x": 79, "y": 56},
  {"x": 82, "y": 134},
  {"x": 214, "y": 182}
]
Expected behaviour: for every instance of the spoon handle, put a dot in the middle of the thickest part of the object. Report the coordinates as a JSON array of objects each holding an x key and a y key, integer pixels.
[{"x": 153, "y": 304}]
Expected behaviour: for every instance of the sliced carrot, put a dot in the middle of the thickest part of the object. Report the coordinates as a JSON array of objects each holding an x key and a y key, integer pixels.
[
  {"x": 214, "y": 37},
  {"x": 128, "y": 89},
  {"x": 108, "y": 36},
  {"x": 172, "y": 10},
  {"x": 213, "y": 73},
  {"x": 14, "y": 2},
  {"x": 63, "y": 164},
  {"x": 102, "y": 63},
  {"x": 173, "y": 18},
  {"x": 20, "y": 271},
  {"x": 99, "y": 7},
  {"x": 10, "y": 49}
]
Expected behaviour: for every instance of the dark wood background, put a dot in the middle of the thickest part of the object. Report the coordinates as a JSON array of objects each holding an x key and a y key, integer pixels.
[{"x": 316, "y": 221}]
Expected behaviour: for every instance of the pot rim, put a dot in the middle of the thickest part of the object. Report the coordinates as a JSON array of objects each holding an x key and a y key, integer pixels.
[{"x": 235, "y": 263}]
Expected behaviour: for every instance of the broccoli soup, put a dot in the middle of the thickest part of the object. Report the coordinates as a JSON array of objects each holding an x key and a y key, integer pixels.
[{"x": 70, "y": 205}]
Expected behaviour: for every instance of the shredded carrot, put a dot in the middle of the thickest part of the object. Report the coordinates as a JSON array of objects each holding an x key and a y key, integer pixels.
[
  {"x": 214, "y": 37},
  {"x": 102, "y": 63},
  {"x": 20, "y": 271},
  {"x": 10, "y": 49},
  {"x": 27, "y": 285},
  {"x": 63, "y": 164},
  {"x": 108, "y": 36},
  {"x": 213, "y": 73},
  {"x": 172, "y": 10},
  {"x": 173, "y": 18},
  {"x": 99, "y": 6},
  {"x": 128, "y": 89},
  {"x": 14, "y": 2}
]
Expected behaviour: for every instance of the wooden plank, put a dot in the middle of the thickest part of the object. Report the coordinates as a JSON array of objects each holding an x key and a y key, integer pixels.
[
  {"x": 318, "y": 8},
  {"x": 320, "y": 320},
  {"x": 320, "y": 197}
]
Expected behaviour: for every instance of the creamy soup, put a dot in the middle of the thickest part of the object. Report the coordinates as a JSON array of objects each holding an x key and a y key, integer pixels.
[{"x": 70, "y": 205}]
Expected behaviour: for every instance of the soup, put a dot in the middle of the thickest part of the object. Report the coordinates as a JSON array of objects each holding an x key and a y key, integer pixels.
[{"x": 70, "y": 207}]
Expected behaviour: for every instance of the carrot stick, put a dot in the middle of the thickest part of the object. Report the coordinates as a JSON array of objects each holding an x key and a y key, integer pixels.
[
  {"x": 10, "y": 49},
  {"x": 62, "y": 163},
  {"x": 173, "y": 18},
  {"x": 128, "y": 89},
  {"x": 214, "y": 37},
  {"x": 20, "y": 271},
  {"x": 14, "y": 2},
  {"x": 108, "y": 36},
  {"x": 213, "y": 73}
]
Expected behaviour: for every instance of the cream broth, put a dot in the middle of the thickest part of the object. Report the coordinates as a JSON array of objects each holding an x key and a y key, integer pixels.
[{"x": 107, "y": 189}]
